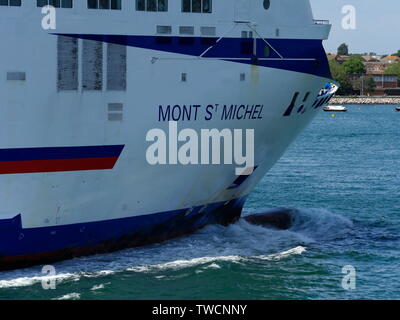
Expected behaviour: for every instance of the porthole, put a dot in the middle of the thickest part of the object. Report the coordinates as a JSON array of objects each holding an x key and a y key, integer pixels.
[{"x": 267, "y": 4}]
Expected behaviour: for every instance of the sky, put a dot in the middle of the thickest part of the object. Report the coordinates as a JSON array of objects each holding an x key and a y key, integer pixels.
[{"x": 377, "y": 25}]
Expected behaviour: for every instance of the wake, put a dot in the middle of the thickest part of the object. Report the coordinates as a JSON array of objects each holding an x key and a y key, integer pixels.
[{"x": 210, "y": 248}]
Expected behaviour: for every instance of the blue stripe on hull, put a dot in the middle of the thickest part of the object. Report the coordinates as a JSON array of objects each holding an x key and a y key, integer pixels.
[
  {"x": 232, "y": 48},
  {"x": 25, "y": 247}
]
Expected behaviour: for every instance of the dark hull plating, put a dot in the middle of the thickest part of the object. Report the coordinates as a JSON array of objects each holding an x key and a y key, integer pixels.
[{"x": 21, "y": 248}]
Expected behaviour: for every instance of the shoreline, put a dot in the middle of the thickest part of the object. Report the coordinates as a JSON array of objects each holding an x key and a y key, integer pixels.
[{"x": 384, "y": 100}]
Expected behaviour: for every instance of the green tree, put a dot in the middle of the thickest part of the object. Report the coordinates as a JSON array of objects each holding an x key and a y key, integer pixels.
[
  {"x": 357, "y": 56},
  {"x": 346, "y": 87},
  {"x": 354, "y": 65},
  {"x": 394, "y": 68},
  {"x": 369, "y": 83},
  {"x": 343, "y": 49},
  {"x": 365, "y": 84},
  {"x": 396, "y": 54},
  {"x": 340, "y": 76},
  {"x": 336, "y": 68}
]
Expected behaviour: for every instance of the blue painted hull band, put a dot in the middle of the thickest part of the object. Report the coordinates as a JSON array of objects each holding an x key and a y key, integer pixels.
[
  {"x": 24, "y": 247},
  {"x": 52, "y": 153},
  {"x": 232, "y": 48}
]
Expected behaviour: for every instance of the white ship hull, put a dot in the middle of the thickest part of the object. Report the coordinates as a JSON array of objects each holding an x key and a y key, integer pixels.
[{"x": 74, "y": 178}]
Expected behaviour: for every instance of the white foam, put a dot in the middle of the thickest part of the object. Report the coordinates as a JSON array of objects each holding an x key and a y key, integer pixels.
[
  {"x": 29, "y": 281},
  {"x": 101, "y": 273},
  {"x": 321, "y": 224},
  {"x": 284, "y": 254},
  {"x": 97, "y": 287},
  {"x": 211, "y": 247},
  {"x": 212, "y": 266},
  {"x": 182, "y": 264},
  {"x": 70, "y": 296}
]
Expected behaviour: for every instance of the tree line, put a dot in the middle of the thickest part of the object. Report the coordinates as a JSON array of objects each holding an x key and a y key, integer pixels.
[{"x": 354, "y": 66}]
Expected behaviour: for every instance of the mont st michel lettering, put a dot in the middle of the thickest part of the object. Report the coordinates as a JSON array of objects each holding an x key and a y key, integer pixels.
[{"x": 195, "y": 112}]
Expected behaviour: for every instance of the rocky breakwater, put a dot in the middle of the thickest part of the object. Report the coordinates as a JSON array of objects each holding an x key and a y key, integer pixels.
[{"x": 338, "y": 100}]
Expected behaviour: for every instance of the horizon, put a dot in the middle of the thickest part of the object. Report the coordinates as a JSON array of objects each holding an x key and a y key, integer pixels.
[{"x": 368, "y": 36}]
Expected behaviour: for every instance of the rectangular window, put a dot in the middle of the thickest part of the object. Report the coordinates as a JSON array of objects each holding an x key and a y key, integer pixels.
[
  {"x": 116, "y": 67},
  {"x": 115, "y": 111},
  {"x": 13, "y": 76},
  {"x": 104, "y": 4},
  {"x": 206, "y": 6},
  {"x": 186, "y": 5},
  {"x": 66, "y": 4},
  {"x": 55, "y": 3},
  {"x": 10, "y": 3},
  {"x": 197, "y": 6},
  {"x": 116, "y": 5},
  {"x": 67, "y": 63},
  {"x": 208, "y": 31},
  {"x": 164, "y": 29},
  {"x": 152, "y": 5},
  {"x": 162, "y": 5},
  {"x": 246, "y": 46},
  {"x": 93, "y": 4},
  {"x": 140, "y": 5},
  {"x": 189, "y": 30},
  {"x": 92, "y": 65}
]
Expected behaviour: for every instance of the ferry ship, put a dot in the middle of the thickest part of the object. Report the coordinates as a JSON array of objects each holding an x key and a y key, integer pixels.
[{"x": 83, "y": 82}]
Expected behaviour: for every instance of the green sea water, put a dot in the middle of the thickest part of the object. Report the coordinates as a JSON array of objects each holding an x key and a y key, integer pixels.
[{"x": 343, "y": 176}]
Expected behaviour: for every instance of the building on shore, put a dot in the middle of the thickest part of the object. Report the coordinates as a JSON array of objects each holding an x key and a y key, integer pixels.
[
  {"x": 370, "y": 58},
  {"x": 337, "y": 57},
  {"x": 390, "y": 59},
  {"x": 386, "y": 84},
  {"x": 375, "y": 67}
]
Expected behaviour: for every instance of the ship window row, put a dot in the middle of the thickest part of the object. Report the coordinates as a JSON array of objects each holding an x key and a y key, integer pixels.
[
  {"x": 91, "y": 4},
  {"x": 194, "y": 6},
  {"x": 11, "y": 3},
  {"x": 104, "y": 4},
  {"x": 54, "y": 3},
  {"x": 152, "y": 5},
  {"x": 187, "y": 30},
  {"x": 198, "y": 6}
]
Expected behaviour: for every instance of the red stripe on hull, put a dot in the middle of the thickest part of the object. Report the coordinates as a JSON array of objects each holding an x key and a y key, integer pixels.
[{"x": 57, "y": 165}]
